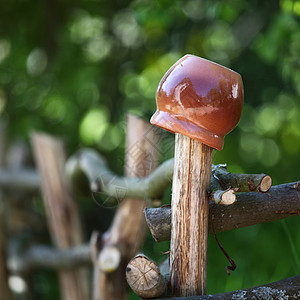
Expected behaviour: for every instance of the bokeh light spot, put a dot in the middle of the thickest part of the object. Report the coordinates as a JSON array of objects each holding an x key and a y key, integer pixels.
[
  {"x": 4, "y": 49},
  {"x": 250, "y": 147},
  {"x": 290, "y": 6},
  {"x": 251, "y": 143},
  {"x": 3, "y": 100},
  {"x": 97, "y": 48},
  {"x": 111, "y": 138},
  {"x": 218, "y": 48},
  {"x": 84, "y": 27},
  {"x": 193, "y": 9},
  {"x": 128, "y": 85},
  {"x": 36, "y": 62},
  {"x": 55, "y": 108},
  {"x": 290, "y": 142},
  {"x": 247, "y": 120},
  {"x": 270, "y": 154},
  {"x": 17, "y": 284},
  {"x": 127, "y": 29},
  {"x": 268, "y": 120},
  {"x": 93, "y": 125},
  {"x": 88, "y": 94},
  {"x": 150, "y": 77},
  {"x": 297, "y": 7}
]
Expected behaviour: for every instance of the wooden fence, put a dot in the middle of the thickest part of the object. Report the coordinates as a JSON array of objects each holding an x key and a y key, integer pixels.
[{"x": 111, "y": 255}]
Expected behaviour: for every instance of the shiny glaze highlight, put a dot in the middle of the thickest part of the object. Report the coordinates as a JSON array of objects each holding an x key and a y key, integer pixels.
[{"x": 199, "y": 99}]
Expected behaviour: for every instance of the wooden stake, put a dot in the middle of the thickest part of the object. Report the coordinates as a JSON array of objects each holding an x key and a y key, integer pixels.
[
  {"x": 128, "y": 228},
  {"x": 62, "y": 212},
  {"x": 190, "y": 208}
]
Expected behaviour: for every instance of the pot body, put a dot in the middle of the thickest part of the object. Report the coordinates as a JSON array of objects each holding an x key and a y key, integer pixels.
[{"x": 199, "y": 99}]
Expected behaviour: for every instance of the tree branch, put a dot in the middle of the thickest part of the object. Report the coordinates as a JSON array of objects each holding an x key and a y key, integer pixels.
[
  {"x": 147, "y": 280},
  {"x": 224, "y": 197},
  {"x": 25, "y": 179},
  {"x": 249, "y": 209},
  {"x": 47, "y": 257},
  {"x": 243, "y": 182},
  {"x": 90, "y": 163},
  {"x": 288, "y": 288}
]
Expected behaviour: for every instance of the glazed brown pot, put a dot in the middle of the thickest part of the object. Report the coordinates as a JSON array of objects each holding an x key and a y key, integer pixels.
[{"x": 199, "y": 99}]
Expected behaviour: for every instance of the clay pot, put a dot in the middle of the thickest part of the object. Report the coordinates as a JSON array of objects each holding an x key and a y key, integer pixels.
[{"x": 199, "y": 99}]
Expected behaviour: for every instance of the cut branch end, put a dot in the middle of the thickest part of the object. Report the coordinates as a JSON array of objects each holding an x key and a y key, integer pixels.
[
  {"x": 109, "y": 259},
  {"x": 224, "y": 197},
  {"x": 265, "y": 184},
  {"x": 144, "y": 277}
]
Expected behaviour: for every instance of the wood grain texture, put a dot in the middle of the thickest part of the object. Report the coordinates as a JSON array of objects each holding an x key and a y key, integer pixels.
[
  {"x": 128, "y": 228},
  {"x": 61, "y": 210},
  {"x": 190, "y": 207},
  {"x": 144, "y": 277}
]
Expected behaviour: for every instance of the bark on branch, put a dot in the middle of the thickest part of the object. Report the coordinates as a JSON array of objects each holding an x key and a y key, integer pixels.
[
  {"x": 243, "y": 182},
  {"x": 280, "y": 202},
  {"x": 90, "y": 163},
  {"x": 288, "y": 288}
]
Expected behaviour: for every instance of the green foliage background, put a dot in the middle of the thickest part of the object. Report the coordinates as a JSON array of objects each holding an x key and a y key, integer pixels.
[{"x": 75, "y": 68}]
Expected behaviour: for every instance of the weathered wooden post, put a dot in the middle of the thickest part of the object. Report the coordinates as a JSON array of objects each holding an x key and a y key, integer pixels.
[
  {"x": 127, "y": 231},
  {"x": 62, "y": 212},
  {"x": 201, "y": 102}
]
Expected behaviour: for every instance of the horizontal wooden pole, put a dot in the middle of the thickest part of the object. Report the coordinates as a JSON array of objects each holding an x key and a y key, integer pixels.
[
  {"x": 280, "y": 202},
  {"x": 288, "y": 288},
  {"x": 40, "y": 257},
  {"x": 94, "y": 167},
  {"x": 25, "y": 179},
  {"x": 89, "y": 163}
]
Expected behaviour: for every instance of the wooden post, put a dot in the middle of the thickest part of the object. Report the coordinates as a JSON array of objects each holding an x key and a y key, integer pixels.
[
  {"x": 62, "y": 212},
  {"x": 128, "y": 228},
  {"x": 4, "y": 289},
  {"x": 190, "y": 208}
]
